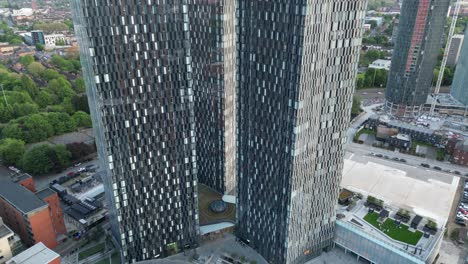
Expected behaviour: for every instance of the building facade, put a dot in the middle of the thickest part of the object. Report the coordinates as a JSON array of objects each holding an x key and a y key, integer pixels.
[
  {"x": 458, "y": 89},
  {"x": 296, "y": 72},
  {"x": 6, "y": 236},
  {"x": 213, "y": 32},
  {"x": 421, "y": 27},
  {"x": 136, "y": 60},
  {"x": 455, "y": 49},
  {"x": 31, "y": 217}
]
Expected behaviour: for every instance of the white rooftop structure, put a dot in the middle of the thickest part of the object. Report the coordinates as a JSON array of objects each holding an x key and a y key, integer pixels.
[
  {"x": 381, "y": 64},
  {"x": 37, "y": 254},
  {"x": 23, "y": 12}
]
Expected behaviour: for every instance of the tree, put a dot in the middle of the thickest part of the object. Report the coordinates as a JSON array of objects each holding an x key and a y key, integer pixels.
[
  {"x": 11, "y": 151},
  {"x": 44, "y": 158},
  {"x": 35, "y": 69},
  {"x": 61, "y": 88},
  {"x": 26, "y": 60},
  {"x": 80, "y": 103},
  {"x": 13, "y": 131},
  {"x": 60, "y": 42},
  {"x": 80, "y": 150},
  {"x": 27, "y": 85},
  {"x": 39, "y": 47},
  {"x": 44, "y": 99},
  {"x": 82, "y": 119},
  {"x": 356, "y": 108},
  {"x": 20, "y": 110},
  {"x": 61, "y": 122},
  {"x": 50, "y": 74},
  {"x": 80, "y": 85}
]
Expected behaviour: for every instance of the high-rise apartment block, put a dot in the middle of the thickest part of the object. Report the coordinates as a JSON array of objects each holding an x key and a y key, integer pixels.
[
  {"x": 459, "y": 85},
  {"x": 455, "y": 49},
  {"x": 420, "y": 36},
  {"x": 213, "y": 46},
  {"x": 297, "y": 65},
  {"x": 136, "y": 61}
]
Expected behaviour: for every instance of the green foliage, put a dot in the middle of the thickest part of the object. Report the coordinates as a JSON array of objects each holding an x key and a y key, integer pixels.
[
  {"x": 370, "y": 56},
  {"x": 26, "y": 60},
  {"x": 39, "y": 127},
  {"x": 80, "y": 103},
  {"x": 61, "y": 122},
  {"x": 82, "y": 119},
  {"x": 431, "y": 224},
  {"x": 80, "y": 85},
  {"x": 28, "y": 86},
  {"x": 50, "y": 27},
  {"x": 80, "y": 150},
  {"x": 69, "y": 24},
  {"x": 11, "y": 151},
  {"x": 39, "y": 47},
  {"x": 20, "y": 110},
  {"x": 377, "y": 40},
  {"x": 50, "y": 74},
  {"x": 400, "y": 233},
  {"x": 69, "y": 65},
  {"x": 9, "y": 36},
  {"x": 61, "y": 88},
  {"x": 60, "y": 42},
  {"x": 356, "y": 108},
  {"x": 44, "y": 99},
  {"x": 35, "y": 69},
  {"x": 372, "y": 78},
  {"x": 44, "y": 158},
  {"x": 375, "y": 201},
  {"x": 447, "y": 79},
  {"x": 440, "y": 154}
]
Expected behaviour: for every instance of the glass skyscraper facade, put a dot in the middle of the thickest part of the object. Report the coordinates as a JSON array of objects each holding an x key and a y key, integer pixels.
[
  {"x": 213, "y": 35},
  {"x": 459, "y": 88},
  {"x": 296, "y": 68},
  {"x": 420, "y": 37},
  {"x": 136, "y": 61}
]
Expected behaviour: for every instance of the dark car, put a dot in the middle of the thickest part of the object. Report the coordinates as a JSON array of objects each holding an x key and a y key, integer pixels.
[
  {"x": 436, "y": 168},
  {"x": 403, "y": 160},
  {"x": 379, "y": 155},
  {"x": 425, "y": 165},
  {"x": 456, "y": 172}
]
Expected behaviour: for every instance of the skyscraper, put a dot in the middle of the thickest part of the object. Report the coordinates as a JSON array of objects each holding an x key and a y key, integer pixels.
[
  {"x": 297, "y": 64},
  {"x": 459, "y": 86},
  {"x": 420, "y": 36},
  {"x": 212, "y": 31},
  {"x": 136, "y": 61}
]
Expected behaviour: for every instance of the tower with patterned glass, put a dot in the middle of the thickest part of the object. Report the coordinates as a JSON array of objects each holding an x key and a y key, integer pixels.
[
  {"x": 213, "y": 34},
  {"x": 420, "y": 37},
  {"x": 136, "y": 61},
  {"x": 297, "y": 65}
]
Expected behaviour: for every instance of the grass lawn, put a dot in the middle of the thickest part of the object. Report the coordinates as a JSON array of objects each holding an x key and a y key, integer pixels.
[
  {"x": 91, "y": 251},
  {"x": 115, "y": 259},
  {"x": 364, "y": 131},
  {"x": 104, "y": 261},
  {"x": 400, "y": 233}
]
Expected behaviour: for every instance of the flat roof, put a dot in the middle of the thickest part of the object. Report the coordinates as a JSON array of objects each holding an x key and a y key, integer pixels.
[
  {"x": 37, "y": 254},
  {"x": 20, "y": 197},
  {"x": 5, "y": 231},
  {"x": 45, "y": 193},
  {"x": 426, "y": 192}
]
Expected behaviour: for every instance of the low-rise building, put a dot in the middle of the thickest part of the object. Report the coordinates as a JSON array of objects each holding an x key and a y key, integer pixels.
[
  {"x": 455, "y": 49},
  {"x": 381, "y": 64},
  {"x": 34, "y": 217},
  {"x": 460, "y": 153},
  {"x": 37, "y": 254},
  {"x": 378, "y": 20},
  {"x": 6, "y": 236}
]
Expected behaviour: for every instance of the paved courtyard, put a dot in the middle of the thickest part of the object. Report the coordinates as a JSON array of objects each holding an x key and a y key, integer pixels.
[{"x": 426, "y": 192}]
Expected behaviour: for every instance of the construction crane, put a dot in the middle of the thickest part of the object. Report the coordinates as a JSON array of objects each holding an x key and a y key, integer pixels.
[{"x": 446, "y": 52}]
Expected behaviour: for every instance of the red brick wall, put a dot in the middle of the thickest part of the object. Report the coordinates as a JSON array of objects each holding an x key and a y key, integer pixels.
[
  {"x": 460, "y": 157},
  {"x": 56, "y": 214},
  {"x": 42, "y": 228},
  {"x": 28, "y": 184},
  {"x": 14, "y": 219}
]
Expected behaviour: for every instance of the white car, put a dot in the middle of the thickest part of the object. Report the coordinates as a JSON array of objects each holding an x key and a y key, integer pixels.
[{"x": 81, "y": 170}]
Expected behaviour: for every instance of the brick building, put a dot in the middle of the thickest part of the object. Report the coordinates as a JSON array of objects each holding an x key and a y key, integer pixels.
[
  {"x": 34, "y": 217},
  {"x": 459, "y": 151}
]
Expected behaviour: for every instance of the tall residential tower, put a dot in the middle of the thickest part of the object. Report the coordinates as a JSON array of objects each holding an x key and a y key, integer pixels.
[
  {"x": 420, "y": 37},
  {"x": 459, "y": 88},
  {"x": 297, "y": 65},
  {"x": 136, "y": 61},
  {"x": 213, "y": 31}
]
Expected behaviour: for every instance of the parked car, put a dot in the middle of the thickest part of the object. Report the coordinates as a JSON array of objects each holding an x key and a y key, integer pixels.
[
  {"x": 436, "y": 168},
  {"x": 403, "y": 160},
  {"x": 80, "y": 170},
  {"x": 456, "y": 172},
  {"x": 77, "y": 164},
  {"x": 425, "y": 165},
  {"x": 379, "y": 155}
]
